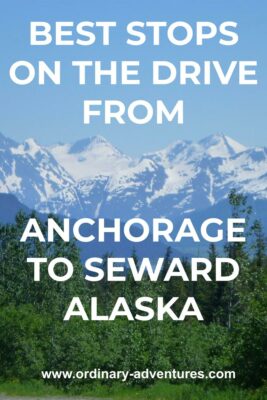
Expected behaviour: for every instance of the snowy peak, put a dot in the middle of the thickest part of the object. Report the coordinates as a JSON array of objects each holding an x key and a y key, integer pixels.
[
  {"x": 31, "y": 147},
  {"x": 90, "y": 157},
  {"x": 83, "y": 145},
  {"x": 219, "y": 145},
  {"x": 30, "y": 172},
  {"x": 214, "y": 146},
  {"x": 168, "y": 155}
]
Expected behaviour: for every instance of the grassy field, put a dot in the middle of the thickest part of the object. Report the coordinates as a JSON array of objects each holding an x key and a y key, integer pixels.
[{"x": 159, "y": 391}]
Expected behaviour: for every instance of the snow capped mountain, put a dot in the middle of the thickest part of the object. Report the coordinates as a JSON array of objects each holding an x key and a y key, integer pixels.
[
  {"x": 90, "y": 157},
  {"x": 93, "y": 178},
  {"x": 217, "y": 145},
  {"x": 191, "y": 173},
  {"x": 220, "y": 145},
  {"x": 30, "y": 172},
  {"x": 182, "y": 178}
]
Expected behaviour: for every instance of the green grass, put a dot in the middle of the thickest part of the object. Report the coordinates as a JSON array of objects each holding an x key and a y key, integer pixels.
[
  {"x": 159, "y": 391},
  {"x": 166, "y": 391},
  {"x": 30, "y": 388}
]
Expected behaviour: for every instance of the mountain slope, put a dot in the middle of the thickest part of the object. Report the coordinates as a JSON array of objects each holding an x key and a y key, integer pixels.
[{"x": 9, "y": 207}]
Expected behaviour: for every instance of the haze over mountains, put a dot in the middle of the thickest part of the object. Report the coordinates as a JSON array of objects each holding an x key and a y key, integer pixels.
[{"x": 93, "y": 178}]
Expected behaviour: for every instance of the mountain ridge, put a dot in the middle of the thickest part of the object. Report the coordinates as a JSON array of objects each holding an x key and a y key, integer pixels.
[{"x": 92, "y": 177}]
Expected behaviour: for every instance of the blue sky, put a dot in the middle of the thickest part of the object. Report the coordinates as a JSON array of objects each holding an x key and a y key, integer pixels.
[{"x": 55, "y": 113}]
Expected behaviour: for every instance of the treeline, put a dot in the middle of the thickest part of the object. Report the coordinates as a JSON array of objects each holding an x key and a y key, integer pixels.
[{"x": 33, "y": 336}]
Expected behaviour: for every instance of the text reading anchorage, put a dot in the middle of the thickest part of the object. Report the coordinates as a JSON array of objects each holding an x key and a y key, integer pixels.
[{"x": 118, "y": 269}]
